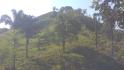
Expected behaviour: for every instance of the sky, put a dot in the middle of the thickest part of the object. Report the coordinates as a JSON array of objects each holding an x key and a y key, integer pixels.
[{"x": 39, "y": 7}]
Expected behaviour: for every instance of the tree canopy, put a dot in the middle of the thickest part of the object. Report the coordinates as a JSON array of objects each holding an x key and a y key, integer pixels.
[{"x": 64, "y": 39}]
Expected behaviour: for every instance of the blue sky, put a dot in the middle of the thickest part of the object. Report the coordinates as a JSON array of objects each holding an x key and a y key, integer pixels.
[
  {"x": 39, "y": 7},
  {"x": 83, "y": 4}
]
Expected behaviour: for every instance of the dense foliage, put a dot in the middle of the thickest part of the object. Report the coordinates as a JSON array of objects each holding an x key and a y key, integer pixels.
[{"x": 63, "y": 39}]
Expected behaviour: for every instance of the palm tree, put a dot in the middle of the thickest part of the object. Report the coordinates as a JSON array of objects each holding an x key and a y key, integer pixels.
[
  {"x": 29, "y": 28},
  {"x": 13, "y": 23},
  {"x": 25, "y": 23}
]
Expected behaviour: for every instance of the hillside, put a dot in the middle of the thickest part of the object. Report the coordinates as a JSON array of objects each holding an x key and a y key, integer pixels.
[{"x": 66, "y": 39}]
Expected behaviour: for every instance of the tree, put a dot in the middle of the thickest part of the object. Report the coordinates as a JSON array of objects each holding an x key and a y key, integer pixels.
[
  {"x": 68, "y": 26},
  {"x": 96, "y": 22},
  {"x": 96, "y": 30},
  {"x": 13, "y": 23},
  {"x": 29, "y": 27},
  {"x": 111, "y": 12}
]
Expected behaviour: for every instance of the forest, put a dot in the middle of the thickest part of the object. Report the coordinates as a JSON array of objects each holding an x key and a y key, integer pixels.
[{"x": 64, "y": 39}]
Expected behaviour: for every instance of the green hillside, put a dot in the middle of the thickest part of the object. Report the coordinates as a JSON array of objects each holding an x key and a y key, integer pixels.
[{"x": 59, "y": 40}]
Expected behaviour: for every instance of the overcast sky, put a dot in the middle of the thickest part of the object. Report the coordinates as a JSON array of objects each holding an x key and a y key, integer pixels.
[{"x": 38, "y": 7}]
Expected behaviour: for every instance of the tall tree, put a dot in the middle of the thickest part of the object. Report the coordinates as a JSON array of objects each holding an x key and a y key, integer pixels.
[
  {"x": 96, "y": 18},
  {"x": 13, "y": 23},
  {"x": 96, "y": 30},
  {"x": 29, "y": 27},
  {"x": 111, "y": 12},
  {"x": 68, "y": 26}
]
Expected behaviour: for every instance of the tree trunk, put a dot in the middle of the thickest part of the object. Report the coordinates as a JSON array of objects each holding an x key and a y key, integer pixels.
[
  {"x": 96, "y": 33},
  {"x": 63, "y": 45},
  {"x": 112, "y": 38},
  {"x": 27, "y": 45},
  {"x": 63, "y": 52},
  {"x": 14, "y": 62},
  {"x": 39, "y": 44},
  {"x": 14, "y": 47}
]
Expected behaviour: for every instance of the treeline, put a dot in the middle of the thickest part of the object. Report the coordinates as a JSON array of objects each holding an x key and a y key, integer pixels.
[{"x": 63, "y": 39}]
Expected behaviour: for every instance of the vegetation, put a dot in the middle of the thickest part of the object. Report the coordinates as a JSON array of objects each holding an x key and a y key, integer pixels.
[{"x": 63, "y": 39}]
